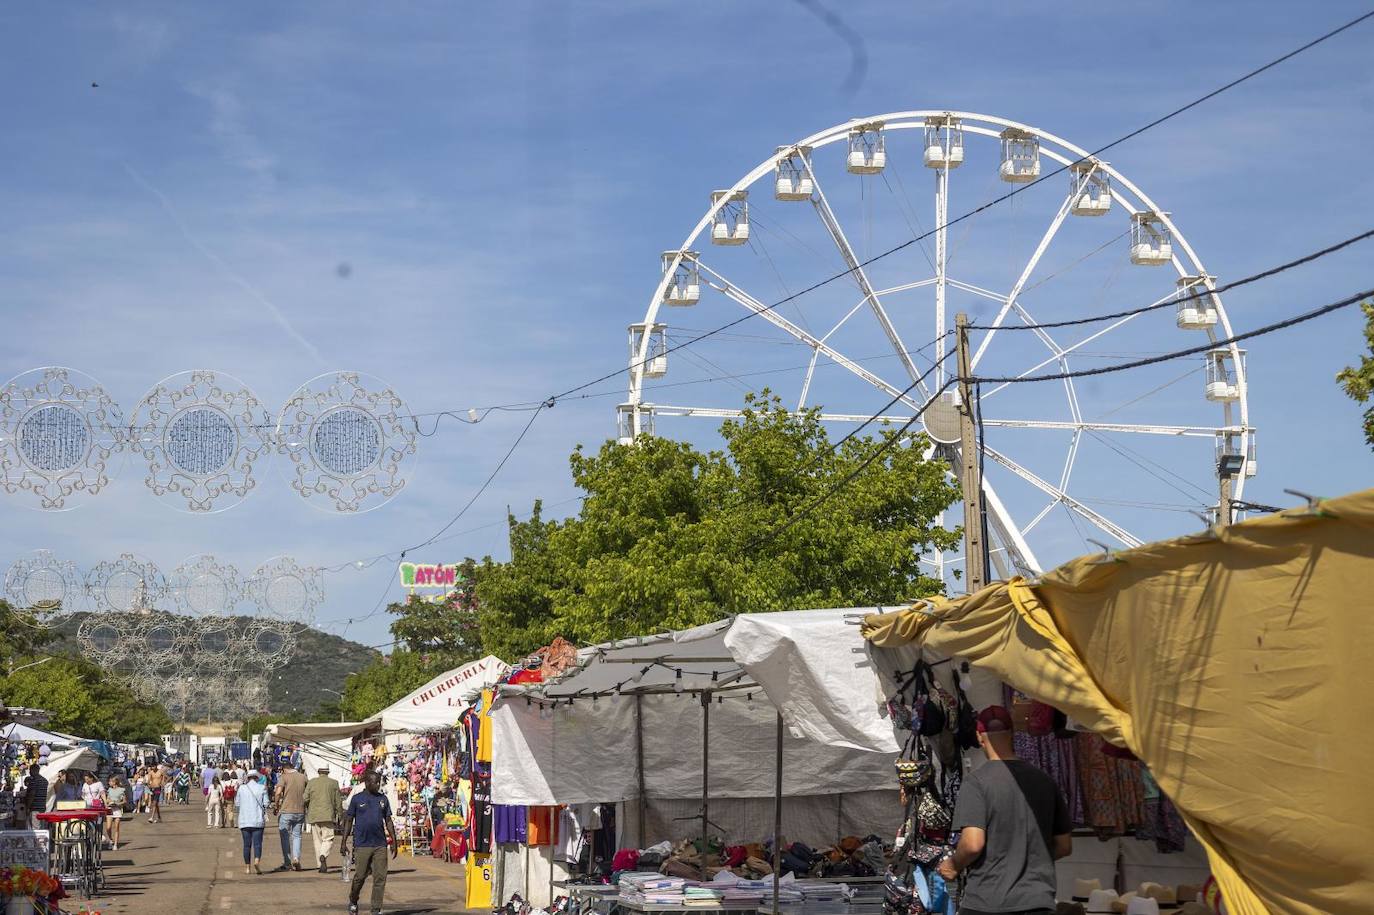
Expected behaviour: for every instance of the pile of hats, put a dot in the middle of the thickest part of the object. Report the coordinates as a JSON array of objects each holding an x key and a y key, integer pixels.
[{"x": 1090, "y": 898}]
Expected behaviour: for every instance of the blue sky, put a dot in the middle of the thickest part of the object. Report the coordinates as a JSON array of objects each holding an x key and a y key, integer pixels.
[{"x": 501, "y": 179}]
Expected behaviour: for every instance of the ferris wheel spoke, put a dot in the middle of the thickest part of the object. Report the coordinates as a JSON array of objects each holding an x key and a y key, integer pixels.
[
  {"x": 736, "y": 412},
  {"x": 856, "y": 270},
  {"x": 1137, "y": 428},
  {"x": 1026, "y": 271},
  {"x": 725, "y": 287},
  {"x": 1095, "y": 518},
  {"x": 1081, "y": 343},
  {"x": 806, "y": 385}
]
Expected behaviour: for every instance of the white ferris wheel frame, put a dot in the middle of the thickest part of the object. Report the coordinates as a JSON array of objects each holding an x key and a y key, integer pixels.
[{"x": 1235, "y": 414}]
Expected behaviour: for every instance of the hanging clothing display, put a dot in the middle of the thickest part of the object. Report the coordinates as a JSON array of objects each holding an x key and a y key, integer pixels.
[
  {"x": 1226, "y": 661},
  {"x": 480, "y": 817}
]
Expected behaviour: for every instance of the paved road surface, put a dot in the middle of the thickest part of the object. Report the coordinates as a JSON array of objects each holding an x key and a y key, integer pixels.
[{"x": 179, "y": 866}]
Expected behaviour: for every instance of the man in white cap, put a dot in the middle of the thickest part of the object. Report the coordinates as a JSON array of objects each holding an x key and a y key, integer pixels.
[
  {"x": 324, "y": 813},
  {"x": 1014, "y": 825}
]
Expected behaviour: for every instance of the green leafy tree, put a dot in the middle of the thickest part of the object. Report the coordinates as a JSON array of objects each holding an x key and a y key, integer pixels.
[
  {"x": 669, "y": 536},
  {"x": 84, "y": 701},
  {"x": 21, "y": 634},
  {"x": 444, "y": 626},
  {"x": 1358, "y": 380}
]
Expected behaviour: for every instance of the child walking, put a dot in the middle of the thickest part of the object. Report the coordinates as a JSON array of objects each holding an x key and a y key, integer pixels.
[{"x": 214, "y": 813}]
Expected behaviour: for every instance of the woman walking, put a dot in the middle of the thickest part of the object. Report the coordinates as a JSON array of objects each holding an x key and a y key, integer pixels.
[
  {"x": 231, "y": 790},
  {"x": 139, "y": 791},
  {"x": 251, "y": 801},
  {"x": 214, "y": 798},
  {"x": 116, "y": 796}
]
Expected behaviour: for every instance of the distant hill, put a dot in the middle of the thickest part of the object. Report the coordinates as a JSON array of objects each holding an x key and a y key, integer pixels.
[{"x": 319, "y": 662}]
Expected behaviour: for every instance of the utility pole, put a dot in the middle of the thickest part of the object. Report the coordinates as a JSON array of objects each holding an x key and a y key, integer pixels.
[{"x": 975, "y": 565}]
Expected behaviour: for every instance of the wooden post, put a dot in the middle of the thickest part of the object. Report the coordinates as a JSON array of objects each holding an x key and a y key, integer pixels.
[{"x": 970, "y": 477}]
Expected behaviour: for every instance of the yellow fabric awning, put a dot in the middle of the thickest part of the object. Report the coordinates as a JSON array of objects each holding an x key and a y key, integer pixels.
[{"x": 1238, "y": 665}]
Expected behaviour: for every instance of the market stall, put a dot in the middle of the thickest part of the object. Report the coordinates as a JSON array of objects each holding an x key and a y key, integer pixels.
[
  {"x": 417, "y": 743},
  {"x": 321, "y": 744},
  {"x": 696, "y": 734}
]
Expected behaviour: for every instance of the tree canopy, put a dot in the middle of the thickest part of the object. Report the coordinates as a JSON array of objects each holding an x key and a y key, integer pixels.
[
  {"x": 82, "y": 698},
  {"x": 1358, "y": 380},
  {"x": 669, "y": 536}
]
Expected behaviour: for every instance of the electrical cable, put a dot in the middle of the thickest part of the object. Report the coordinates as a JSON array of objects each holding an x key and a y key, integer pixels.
[
  {"x": 891, "y": 440},
  {"x": 1197, "y": 294},
  {"x": 1021, "y": 188},
  {"x": 1190, "y": 351}
]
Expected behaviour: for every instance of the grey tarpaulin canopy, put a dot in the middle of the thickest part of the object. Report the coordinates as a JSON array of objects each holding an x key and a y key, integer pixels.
[{"x": 702, "y": 714}]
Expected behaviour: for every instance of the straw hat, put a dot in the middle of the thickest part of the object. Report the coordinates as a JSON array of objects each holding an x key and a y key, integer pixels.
[
  {"x": 1101, "y": 900},
  {"x": 1142, "y": 905},
  {"x": 1119, "y": 906},
  {"x": 1164, "y": 895},
  {"x": 1082, "y": 889},
  {"x": 1189, "y": 892}
]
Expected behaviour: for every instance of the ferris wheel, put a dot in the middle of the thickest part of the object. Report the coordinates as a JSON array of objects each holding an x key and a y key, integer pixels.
[{"x": 1127, "y": 455}]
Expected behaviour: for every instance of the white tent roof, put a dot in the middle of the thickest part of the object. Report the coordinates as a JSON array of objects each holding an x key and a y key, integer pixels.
[
  {"x": 83, "y": 759},
  {"x": 22, "y": 732},
  {"x": 315, "y": 730},
  {"x": 810, "y": 666},
  {"x": 439, "y": 702}
]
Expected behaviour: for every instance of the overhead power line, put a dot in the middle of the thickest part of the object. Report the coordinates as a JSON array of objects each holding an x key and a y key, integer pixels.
[
  {"x": 1021, "y": 188},
  {"x": 892, "y": 440},
  {"x": 1200, "y": 293}
]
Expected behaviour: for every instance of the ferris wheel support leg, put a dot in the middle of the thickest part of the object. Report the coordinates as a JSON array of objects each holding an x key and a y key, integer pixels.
[{"x": 1005, "y": 530}]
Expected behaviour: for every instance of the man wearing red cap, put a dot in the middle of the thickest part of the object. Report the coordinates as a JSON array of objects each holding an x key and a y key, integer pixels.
[{"x": 1014, "y": 825}]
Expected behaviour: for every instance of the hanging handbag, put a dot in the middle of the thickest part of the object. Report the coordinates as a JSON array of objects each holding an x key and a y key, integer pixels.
[{"x": 966, "y": 719}]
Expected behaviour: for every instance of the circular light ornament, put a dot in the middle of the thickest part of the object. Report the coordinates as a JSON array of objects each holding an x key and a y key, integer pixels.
[
  {"x": 271, "y": 643},
  {"x": 286, "y": 591},
  {"x": 60, "y": 433},
  {"x": 49, "y": 587},
  {"x": 103, "y": 640},
  {"x": 163, "y": 641},
  {"x": 351, "y": 441},
  {"x": 201, "y": 432},
  {"x": 204, "y": 587},
  {"x": 125, "y": 584}
]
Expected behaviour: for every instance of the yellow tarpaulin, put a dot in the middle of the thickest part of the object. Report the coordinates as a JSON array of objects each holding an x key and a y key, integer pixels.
[{"x": 1239, "y": 666}]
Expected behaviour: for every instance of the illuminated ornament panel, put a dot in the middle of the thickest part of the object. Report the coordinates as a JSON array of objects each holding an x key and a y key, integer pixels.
[
  {"x": 201, "y": 433},
  {"x": 350, "y": 439},
  {"x": 60, "y": 435}
]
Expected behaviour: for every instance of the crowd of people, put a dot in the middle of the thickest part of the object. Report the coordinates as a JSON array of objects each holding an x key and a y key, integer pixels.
[{"x": 237, "y": 796}]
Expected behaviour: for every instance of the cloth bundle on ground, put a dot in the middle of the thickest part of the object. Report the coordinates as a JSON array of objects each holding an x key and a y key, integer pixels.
[{"x": 1237, "y": 664}]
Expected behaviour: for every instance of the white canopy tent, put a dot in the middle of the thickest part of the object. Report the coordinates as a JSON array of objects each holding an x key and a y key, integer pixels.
[
  {"x": 439, "y": 702},
  {"x": 323, "y": 744},
  {"x": 746, "y": 709},
  {"x": 82, "y": 759},
  {"x": 19, "y": 733}
]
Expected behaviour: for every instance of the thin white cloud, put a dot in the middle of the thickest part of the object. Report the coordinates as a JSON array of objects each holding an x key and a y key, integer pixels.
[{"x": 277, "y": 314}]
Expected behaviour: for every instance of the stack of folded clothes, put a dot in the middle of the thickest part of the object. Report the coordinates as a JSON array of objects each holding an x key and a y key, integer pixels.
[
  {"x": 701, "y": 896},
  {"x": 649, "y": 888},
  {"x": 823, "y": 891}
]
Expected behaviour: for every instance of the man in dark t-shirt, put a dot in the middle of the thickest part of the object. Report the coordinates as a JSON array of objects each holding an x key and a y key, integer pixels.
[
  {"x": 367, "y": 821},
  {"x": 1015, "y": 825}
]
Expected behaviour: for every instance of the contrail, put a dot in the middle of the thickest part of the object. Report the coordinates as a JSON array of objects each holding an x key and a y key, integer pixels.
[{"x": 228, "y": 271}]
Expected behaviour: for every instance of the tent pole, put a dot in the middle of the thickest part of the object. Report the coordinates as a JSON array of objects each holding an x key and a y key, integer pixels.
[
  {"x": 777, "y": 817},
  {"x": 705, "y": 765},
  {"x": 639, "y": 765}
]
